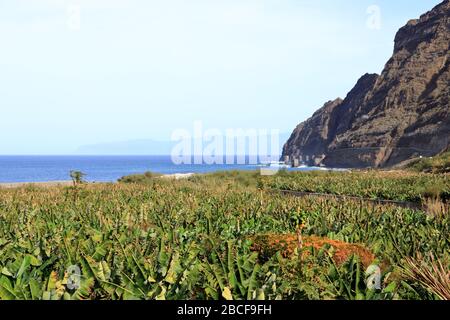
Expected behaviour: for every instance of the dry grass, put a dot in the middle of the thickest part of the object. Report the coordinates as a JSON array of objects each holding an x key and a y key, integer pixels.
[
  {"x": 433, "y": 276},
  {"x": 435, "y": 207}
]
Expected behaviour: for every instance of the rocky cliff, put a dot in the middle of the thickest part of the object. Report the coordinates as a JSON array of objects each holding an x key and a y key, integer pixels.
[{"x": 386, "y": 119}]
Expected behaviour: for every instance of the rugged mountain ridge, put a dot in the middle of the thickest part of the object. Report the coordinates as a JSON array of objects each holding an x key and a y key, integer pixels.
[{"x": 385, "y": 119}]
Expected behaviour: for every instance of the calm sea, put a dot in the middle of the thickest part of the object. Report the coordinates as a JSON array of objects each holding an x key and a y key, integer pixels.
[{"x": 97, "y": 168}]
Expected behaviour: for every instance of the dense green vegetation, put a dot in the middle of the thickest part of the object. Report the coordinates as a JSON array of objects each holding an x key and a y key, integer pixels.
[
  {"x": 154, "y": 238},
  {"x": 437, "y": 164},
  {"x": 399, "y": 186},
  {"x": 382, "y": 185}
]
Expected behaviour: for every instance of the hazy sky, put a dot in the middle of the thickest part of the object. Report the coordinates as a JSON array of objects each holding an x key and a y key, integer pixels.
[{"x": 139, "y": 69}]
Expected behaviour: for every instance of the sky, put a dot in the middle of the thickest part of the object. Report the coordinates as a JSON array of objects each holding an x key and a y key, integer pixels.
[{"x": 81, "y": 72}]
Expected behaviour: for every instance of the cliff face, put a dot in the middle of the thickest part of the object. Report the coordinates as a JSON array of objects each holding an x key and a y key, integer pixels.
[{"x": 386, "y": 119}]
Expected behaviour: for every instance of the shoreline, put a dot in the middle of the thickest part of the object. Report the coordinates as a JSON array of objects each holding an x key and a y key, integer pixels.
[
  {"x": 65, "y": 183},
  {"x": 11, "y": 185}
]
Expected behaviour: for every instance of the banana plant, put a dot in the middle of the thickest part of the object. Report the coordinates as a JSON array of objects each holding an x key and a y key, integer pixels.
[{"x": 232, "y": 276}]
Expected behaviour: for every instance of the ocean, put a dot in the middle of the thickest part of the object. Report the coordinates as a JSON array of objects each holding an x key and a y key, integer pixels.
[{"x": 97, "y": 168}]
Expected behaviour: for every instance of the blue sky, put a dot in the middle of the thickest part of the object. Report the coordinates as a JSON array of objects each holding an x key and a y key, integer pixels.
[{"x": 139, "y": 69}]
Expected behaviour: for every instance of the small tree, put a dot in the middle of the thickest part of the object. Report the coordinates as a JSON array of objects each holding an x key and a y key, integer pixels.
[{"x": 77, "y": 177}]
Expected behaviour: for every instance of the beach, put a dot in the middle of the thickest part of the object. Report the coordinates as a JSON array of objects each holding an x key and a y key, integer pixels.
[
  {"x": 38, "y": 184},
  {"x": 11, "y": 185}
]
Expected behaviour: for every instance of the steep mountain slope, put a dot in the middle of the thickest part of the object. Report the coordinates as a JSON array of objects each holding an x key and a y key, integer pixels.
[{"x": 386, "y": 119}]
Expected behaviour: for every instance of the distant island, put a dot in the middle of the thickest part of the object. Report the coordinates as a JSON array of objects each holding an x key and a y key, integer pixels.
[
  {"x": 130, "y": 147},
  {"x": 141, "y": 147}
]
